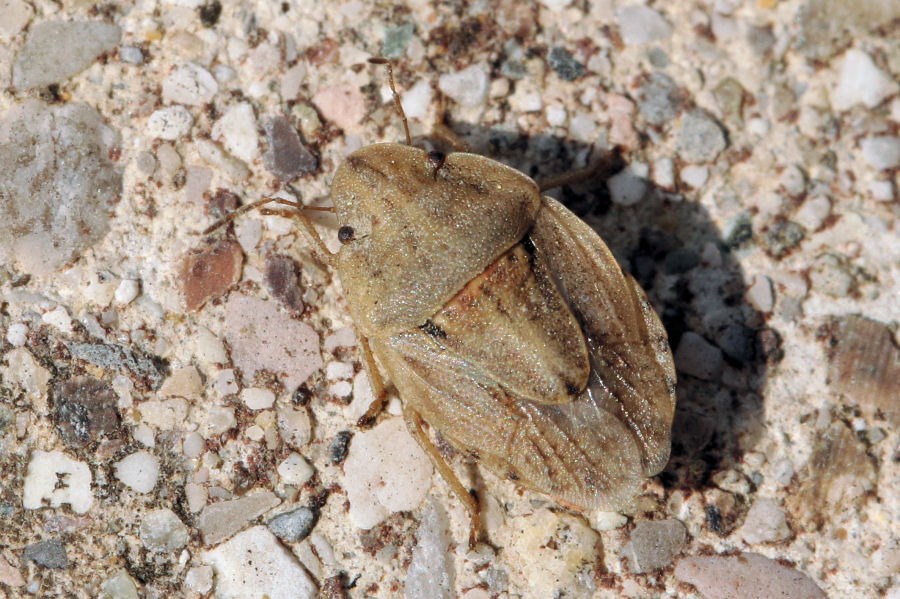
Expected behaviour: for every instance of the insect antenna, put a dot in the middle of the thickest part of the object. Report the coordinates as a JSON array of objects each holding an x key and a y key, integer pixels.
[
  {"x": 257, "y": 205},
  {"x": 390, "y": 70}
]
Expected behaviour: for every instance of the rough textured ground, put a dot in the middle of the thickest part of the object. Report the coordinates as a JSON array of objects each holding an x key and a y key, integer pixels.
[{"x": 177, "y": 410}]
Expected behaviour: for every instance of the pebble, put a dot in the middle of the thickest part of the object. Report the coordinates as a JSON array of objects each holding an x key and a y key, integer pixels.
[
  {"x": 695, "y": 176},
  {"x": 255, "y": 564},
  {"x": 813, "y": 212},
  {"x": 256, "y": 398},
  {"x": 162, "y": 531},
  {"x": 468, "y": 86},
  {"x": 860, "y": 81},
  {"x": 208, "y": 347},
  {"x": 654, "y": 544},
  {"x": 208, "y": 271},
  {"x": 199, "y": 579},
  {"x": 189, "y": 84},
  {"x": 218, "y": 420},
  {"x": 165, "y": 414},
  {"x": 339, "y": 446},
  {"x": 556, "y": 115},
  {"x": 830, "y": 275},
  {"x": 782, "y": 237},
  {"x": 293, "y": 526},
  {"x": 55, "y": 478},
  {"x": 430, "y": 574},
  {"x": 739, "y": 576},
  {"x": 882, "y": 191},
  {"x": 564, "y": 64},
  {"x": 262, "y": 337},
  {"x": 138, "y": 471},
  {"x": 396, "y": 39},
  {"x": 415, "y": 100},
  {"x": 49, "y": 554},
  {"x": 287, "y": 158},
  {"x": 21, "y": 370},
  {"x": 119, "y": 586},
  {"x": 698, "y": 357},
  {"x": 765, "y": 523},
  {"x": 627, "y": 187},
  {"x": 761, "y": 294},
  {"x": 345, "y": 337},
  {"x": 9, "y": 574},
  {"x": 294, "y": 425},
  {"x": 385, "y": 471},
  {"x": 57, "y": 183},
  {"x": 170, "y": 123},
  {"x": 640, "y": 24},
  {"x": 658, "y": 99},
  {"x": 550, "y": 554},
  {"x": 59, "y": 319},
  {"x": 40, "y": 61},
  {"x": 882, "y": 152},
  {"x": 664, "y": 173},
  {"x": 16, "y": 15},
  {"x": 295, "y": 470},
  {"x": 17, "y": 334},
  {"x": 85, "y": 409},
  {"x": 699, "y": 139},
  {"x": 236, "y": 129},
  {"x": 219, "y": 521},
  {"x": 131, "y": 55},
  {"x": 342, "y": 105},
  {"x": 127, "y": 291},
  {"x": 283, "y": 281}
]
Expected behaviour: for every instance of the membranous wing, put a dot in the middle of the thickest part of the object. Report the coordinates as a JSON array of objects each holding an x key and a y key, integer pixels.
[{"x": 632, "y": 373}]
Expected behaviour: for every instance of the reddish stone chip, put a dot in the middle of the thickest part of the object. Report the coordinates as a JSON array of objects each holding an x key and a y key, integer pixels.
[{"x": 208, "y": 272}]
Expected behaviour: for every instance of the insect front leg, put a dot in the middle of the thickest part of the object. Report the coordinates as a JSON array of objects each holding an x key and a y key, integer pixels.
[
  {"x": 414, "y": 422},
  {"x": 377, "y": 383}
]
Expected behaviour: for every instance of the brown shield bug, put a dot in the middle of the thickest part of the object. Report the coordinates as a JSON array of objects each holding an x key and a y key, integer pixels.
[{"x": 504, "y": 322}]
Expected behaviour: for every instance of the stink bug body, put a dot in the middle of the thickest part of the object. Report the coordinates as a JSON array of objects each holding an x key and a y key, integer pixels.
[{"x": 504, "y": 322}]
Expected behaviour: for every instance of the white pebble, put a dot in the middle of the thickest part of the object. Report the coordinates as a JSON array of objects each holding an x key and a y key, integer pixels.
[
  {"x": 641, "y": 25},
  {"x": 295, "y": 470},
  {"x": 761, "y": 294},
  {"x": 556, "y": 5},
  {"x": 556, "y": 115},
  {"x": 294, "y": 425},
  {"x": 127, "y": 291},
  {"x": 193, "y": 445},
  {"x": 17, "y": 334},
  {"x": 255, "y": 432},
  {"x": 362, "y": 397},
  {"x": 695, "y": 176},
  {"x": 189, "y": 84},
  {"x": 341, "y": 389},
  {"x": 758, "y": 126},
  {"x": 162, "y": 531},
  {"x": 526, "y": 98},
  {"x": 583, "y": 127},
  {"x": 257, "y": 398},
  {"x": 255, "y": 564},
  {"x": 664, "y": 172},
  {"x": 860, "y": 82},
  {"x": 601, "y": 521},
  {"x": 208, "y": 347},
  {"x": 169, "y": 123},
  {"x": 196, "y": 495},
  {"x": 143, "y": 434},
  {"x": 236, "y": 129},
  {"x": 626, "y": 188},
  {"x": 813, "y": 212},
  {"x": 881, "y": 152},
  {"x": 55, "y": 478},
  {"x": 138, "y": 471},
  {"x": 338, "y": 371},
  {"x": 765, "y": 523},
  {"x": 468, "y": 86},
  {"x": 883, "y": 191},
  {"x": 199, "y": 579},
  {"x": 415, "y": 100},
  {"x": 58, "y": 318},
  {"x": 385, "y": 472},
  {"x": 219, "y": 419},
  {"x": 224, "y": 383}
]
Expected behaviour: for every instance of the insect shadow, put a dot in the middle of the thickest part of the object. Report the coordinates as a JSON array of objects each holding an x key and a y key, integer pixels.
[{"x": 691, "y": 275}]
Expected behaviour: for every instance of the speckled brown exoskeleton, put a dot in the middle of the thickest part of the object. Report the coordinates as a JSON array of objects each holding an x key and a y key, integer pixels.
[{"x": 503, "y": 321}]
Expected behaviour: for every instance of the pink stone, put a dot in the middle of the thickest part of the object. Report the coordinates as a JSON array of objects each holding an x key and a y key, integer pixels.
[{"x": 343, "y": 105}]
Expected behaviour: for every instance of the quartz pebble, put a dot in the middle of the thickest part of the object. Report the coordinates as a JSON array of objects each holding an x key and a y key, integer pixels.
[
  {"x": 16, "y": 15},
  {"x": 294, "y": 425},
  {"x": 343, "y": 105},
  {"x": 57, "y": 479},
  {"x": 813, "y": 212},
  {"x": 262, "y": 337},
  {"x": 765, "y": 523},
  {"x": 627, "y": 187},
  {"x": 468, "y": 86},
  {"x": 295, "y": 470},
  {"x": 293, "y": 526},
  {"x": 57, "y": 182},
  {"x": 127, "y": 291},
  {"x": 9, "y": 574},
  {"x": 654, "y": 544},
  {"x": 255, "y": 564},
  {"x": 860, "y": 81},
  {"x": 236, "y": 129},
  {"x": 170, "y": 123},
  {"x": 138, "y": 471},
  {"x": 17, "y": 334},
  {"x": 416, "y": 99},
  {"x": 199, "y": 579},
  {"x": 119, "y": 586},
  {"x": 695, "y": 176},
  {"x": 761, "y": 294},
  {"x": 430, "y": 574},
  {"x": 21, "y": 371},
  {"x": 641, "y": 25},
  {"x": 385, "y": 471},
  {"x": 698, "y": 357},
  {"x": 739, "y": 576},
  {"x": 162, "y": 531},
  {"x": 699, "y": 139},
  {"x": 882, "y": 152},
  {"x": 221, "y": 520},
  {"x": 189, "y": 84},
  {"x": 257, "y": 399},
  {"x": 41, "y": 63}
]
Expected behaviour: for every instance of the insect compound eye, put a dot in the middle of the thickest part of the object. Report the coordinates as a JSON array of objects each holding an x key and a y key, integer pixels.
[{"x": 345, "y": 234}]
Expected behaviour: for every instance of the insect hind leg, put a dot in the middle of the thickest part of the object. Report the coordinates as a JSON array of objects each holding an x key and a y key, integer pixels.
[{"x": 414, "y": 422}]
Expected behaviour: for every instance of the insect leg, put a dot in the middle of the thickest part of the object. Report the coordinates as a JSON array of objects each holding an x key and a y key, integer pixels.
[
  {"x": 607, "y": 166},
  {"x": 414, "y": 424},
  {"x": 377, "y": 383},
  {"x": 444, "y": 134}
]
